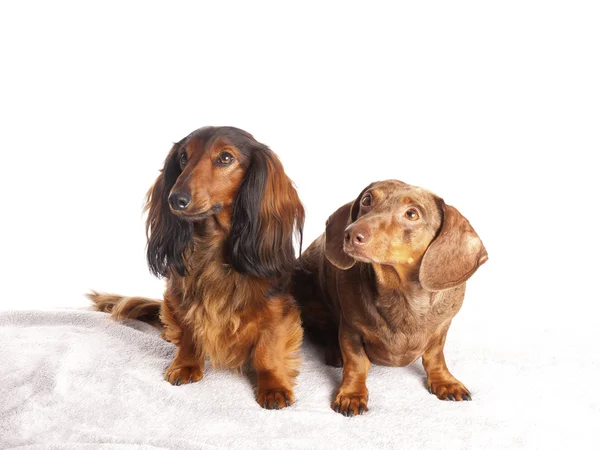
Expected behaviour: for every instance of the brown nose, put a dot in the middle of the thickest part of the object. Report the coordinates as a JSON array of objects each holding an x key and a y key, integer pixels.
[{"x": 357, "y": 236}]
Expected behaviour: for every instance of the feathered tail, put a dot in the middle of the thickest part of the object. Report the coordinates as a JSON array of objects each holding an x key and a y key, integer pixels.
[{"x": 120, "y": 308}]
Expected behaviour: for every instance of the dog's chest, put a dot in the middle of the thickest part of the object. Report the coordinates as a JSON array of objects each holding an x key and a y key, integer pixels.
[
  {"x": 399, "y": 347},
  {"x": 216, "y": 314},
  {"x": 400, "y": 334},
  {"x": 224, "y": 336}
]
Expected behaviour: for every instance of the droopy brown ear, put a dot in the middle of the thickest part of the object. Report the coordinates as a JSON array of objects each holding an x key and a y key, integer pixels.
[
  {"x": 267, "y": 215},
  {"x": 334, "y": 238},
  {"x": 169, "y": 238},
  {"x": 454, "y": 255},
  {"x": 334, "y": 233}
]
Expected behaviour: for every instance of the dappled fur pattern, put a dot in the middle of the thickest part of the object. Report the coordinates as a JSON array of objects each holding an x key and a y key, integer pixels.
[
  {"x": 227, "y": 258},
  {"x": 382, "y": 285}
]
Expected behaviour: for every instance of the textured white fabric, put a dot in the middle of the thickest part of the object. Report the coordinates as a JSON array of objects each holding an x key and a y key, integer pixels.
[{"x": 77, "y": 380}]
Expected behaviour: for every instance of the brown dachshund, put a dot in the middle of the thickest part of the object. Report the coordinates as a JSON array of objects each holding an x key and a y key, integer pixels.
[
  {"x": 222, "y": 218},
  {"x": 383, "y": 283}
]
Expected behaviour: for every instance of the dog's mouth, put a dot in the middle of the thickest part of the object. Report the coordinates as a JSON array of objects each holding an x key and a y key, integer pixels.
[
  {"x": 200, "y": 214},
  {"x": 359, "y": 255}
]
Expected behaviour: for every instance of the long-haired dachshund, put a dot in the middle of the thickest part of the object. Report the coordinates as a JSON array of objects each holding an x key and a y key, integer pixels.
[
  {"x": 383, "y": 283},
  {"x": 222, "y": 219}
]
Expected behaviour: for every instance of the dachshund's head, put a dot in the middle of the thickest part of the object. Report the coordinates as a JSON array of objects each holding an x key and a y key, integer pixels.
[
  {"x": 394, "y": 223},
  {"x": 224, "y": 171}
]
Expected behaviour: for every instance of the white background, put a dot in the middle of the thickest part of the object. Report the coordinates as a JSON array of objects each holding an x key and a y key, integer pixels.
[{"x": 495, "y": 106}]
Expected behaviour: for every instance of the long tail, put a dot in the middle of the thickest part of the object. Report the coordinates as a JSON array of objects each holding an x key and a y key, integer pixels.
[{"x": 120, "y": 308}]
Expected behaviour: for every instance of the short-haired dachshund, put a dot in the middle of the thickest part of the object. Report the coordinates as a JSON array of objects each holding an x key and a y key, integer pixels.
[{"x": 383, "y": 283}]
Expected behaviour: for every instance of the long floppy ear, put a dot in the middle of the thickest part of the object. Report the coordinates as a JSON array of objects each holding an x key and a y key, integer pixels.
[
  {"x": 169, "y": 237},
  {"x": 454, "y": 255},
  {"x": 334, "y": 233},
  {"x": 267, "y": 215}
]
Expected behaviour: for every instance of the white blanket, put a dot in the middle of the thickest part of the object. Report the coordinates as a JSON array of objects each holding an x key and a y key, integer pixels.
[{"x": 75, "y": 379}]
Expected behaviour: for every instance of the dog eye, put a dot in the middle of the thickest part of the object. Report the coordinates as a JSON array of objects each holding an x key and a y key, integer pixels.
[
  {"x": 366, "y": 200},
  {"x": 183, "y": 159},
  {"x": 224, "y": 159},
  {"x": 411, "y": 214}
]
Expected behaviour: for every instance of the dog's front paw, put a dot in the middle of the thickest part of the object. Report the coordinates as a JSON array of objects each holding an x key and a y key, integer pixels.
[
  {"x": 275, "y": 398},
  {"x": 449, "y": 389},
  {"x": 178, "y": 375},
  {"x": 351, "y": 403}
]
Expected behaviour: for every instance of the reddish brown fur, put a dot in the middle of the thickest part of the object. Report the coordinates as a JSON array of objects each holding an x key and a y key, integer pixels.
[
  {"x": 388, "y": 296},
  {"x": 231, "y": 304}
]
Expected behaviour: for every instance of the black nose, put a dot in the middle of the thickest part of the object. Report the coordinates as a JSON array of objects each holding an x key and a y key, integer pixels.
[{"x": 179, "y": 200}]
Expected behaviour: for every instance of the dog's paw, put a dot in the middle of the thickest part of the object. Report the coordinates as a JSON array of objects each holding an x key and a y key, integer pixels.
[
  {"x": 179, "y": 375},
  {"x": 275, "y": 398},
  {"x": 451, "y": 389},
  {"x": 351, "y": 403}
]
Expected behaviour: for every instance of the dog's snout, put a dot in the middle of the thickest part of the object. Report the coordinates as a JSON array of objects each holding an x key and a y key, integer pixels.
[
  {"x": 180, "y": 200},
  {"x": 357, "y": 237}
]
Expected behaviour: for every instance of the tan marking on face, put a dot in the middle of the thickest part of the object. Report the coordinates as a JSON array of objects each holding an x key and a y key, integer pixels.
[
  {"x": 395, "y": 239},
  {"x": 210, "y": 184}
]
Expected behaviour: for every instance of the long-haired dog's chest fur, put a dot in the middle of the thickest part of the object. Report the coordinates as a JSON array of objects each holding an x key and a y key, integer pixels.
[{"x": 215, "y": 306}]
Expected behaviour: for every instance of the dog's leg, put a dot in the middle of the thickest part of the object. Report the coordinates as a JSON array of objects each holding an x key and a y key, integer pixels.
[
  {"x": 317, "y": 319},
  {"x": 276, "y": 358},
  {"x": 352, "y": 396},
  {"x": 439, "y": 379},
  {"x": 188, "y": 364},
  {"x": 333, "y": 355}
]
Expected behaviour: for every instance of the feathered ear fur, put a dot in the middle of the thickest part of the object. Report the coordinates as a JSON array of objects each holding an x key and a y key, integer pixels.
[
  {"x": 334, "y": 233},
  {"x": 267, "y": 214},
  {"x": 169, "y": 237}
]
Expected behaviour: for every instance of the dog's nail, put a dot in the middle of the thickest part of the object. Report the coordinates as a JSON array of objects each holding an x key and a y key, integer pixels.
[
  {"x": 345, "y": 413},
  {"x": 336, "y": 408},
  {"x": 466, "y": 397},
  {"x": 361, "y": 410},
  {"x": 451, "y": 397},
  {"x": 429, "y": 389},
  {"x": 287, "y": 402}
]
